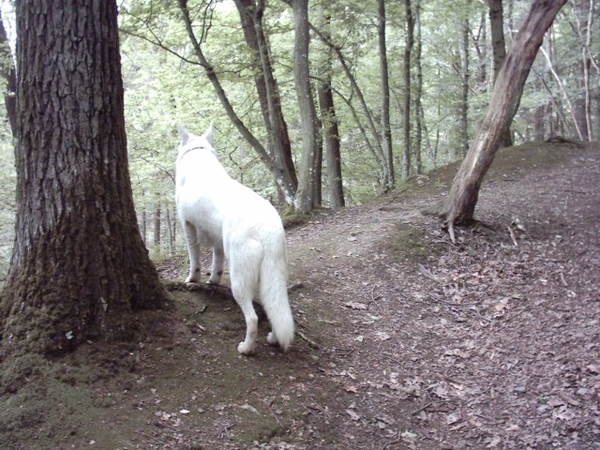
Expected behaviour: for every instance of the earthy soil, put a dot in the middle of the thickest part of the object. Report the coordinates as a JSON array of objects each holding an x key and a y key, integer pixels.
[{"x": 406, "y": 341}]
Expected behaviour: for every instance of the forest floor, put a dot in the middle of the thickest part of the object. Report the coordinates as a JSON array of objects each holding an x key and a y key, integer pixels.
[{"x": 405, "y": 340}]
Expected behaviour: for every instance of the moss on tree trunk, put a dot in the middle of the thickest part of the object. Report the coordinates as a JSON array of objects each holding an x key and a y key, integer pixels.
[{"x": 79, "y": 268}]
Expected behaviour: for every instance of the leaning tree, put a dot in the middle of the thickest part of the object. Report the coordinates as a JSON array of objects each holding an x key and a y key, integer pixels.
[
  {"x": 79, "y": 268},
  {"x": 460, "y": 204}
]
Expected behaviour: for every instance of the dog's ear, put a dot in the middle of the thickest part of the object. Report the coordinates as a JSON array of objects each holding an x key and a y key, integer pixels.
[
  {"x": 184, "y": 136},
  {"x": 209, "y": 135}
]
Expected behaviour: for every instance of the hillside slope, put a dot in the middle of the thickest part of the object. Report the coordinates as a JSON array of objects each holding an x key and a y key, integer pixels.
[{"x": 405, "y": 340}]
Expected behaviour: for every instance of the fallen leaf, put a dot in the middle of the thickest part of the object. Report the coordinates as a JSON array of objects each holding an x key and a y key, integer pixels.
[
  {"x": 494, "y": 442},
  {"x": 385, "y": 419},
  {"x": 382, "y": 336},
  {"x": 408, "y": 435},
  {"x": 350, "y": 388},
  {"x": 248, "y": 407},
  {"x": 594, "y": 368},
  {"x": 452, "y": 418},
  {"x": 355, "y": 305},
  {"x": 353, "y": 414}
]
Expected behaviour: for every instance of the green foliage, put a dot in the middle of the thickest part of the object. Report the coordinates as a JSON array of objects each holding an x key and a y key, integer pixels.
[{"x": 165, "y": 85}]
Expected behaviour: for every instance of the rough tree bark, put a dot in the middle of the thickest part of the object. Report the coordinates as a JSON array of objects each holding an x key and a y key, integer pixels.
[
  {"x": 410, "y": 27},
  {"x": 7, "y": 71},
  {"x": 386, "y": 128},
  {"x": 284, "y": 182},
  {"x": 460, "y": 204},
  {"x": 329, "y": 121},
  {"x": 374, "y": 145},
  {"x": 496, "y": 14},
  {"x": 79, "y": 268},
  {"x": 419, "y": 112},
  {"x": 251, "y": 14},
  {"x": 305, "y": 201},
  {"x": 463, "y": 50}
]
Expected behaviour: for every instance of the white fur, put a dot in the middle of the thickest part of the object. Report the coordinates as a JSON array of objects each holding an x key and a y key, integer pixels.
[{"x": 216, "y": 211}]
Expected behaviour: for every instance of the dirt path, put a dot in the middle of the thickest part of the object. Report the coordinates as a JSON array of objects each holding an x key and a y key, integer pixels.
[{"x": 405, "y": 341}]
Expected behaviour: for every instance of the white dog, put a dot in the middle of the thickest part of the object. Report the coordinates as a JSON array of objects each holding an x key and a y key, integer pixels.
[{"x": 217, "y": 211}]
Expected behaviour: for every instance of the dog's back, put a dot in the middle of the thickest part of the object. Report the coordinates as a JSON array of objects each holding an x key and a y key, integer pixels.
[{"x": 224, "y": 214}]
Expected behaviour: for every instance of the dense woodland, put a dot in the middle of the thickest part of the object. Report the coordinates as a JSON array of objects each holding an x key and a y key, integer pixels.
[
  {"x": 491, "y": 342},
  {"x": 394, "y": 88}
]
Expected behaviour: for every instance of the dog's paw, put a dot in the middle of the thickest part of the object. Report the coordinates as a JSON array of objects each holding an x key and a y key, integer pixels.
[
  {"x": 215, "y": 277},
  {"x": 192, "y": 279},
  {"x": 246, "y": 348},
  {"x": 272, "y": 339}
]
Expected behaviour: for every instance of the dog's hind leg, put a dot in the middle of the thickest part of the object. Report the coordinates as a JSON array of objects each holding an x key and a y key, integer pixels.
[
  {"x": 248, "y": 346},
  {"x": 243, "y": 261},
  {"x": 218, "y": 263},
  {"x": 193, "y": 245}
]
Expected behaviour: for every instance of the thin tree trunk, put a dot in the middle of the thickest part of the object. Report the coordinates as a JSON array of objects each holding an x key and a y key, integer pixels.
[
  {"x": 305, "y": 200},
  {"x": 460, "y": 204},
  {"x": 496, "y": 14},
  {"x": 79, "y": 267},
  {"x": 144, "y": 228},
  {"x": 171, "y": 235},
  {"x": 251, "y": 14},
  {"x": 419, "y": 113},
  {"x": 284, "y": 182},
  {"x": 410, "y": 25},
  {"x": 7, "y": 71},
  {"x": 329, "y": 121},
  {"x": 464, "y": 100},
  {"x": 156, "y": 222},
  {"x": 374, "y": 147},
  {"x": 584, "y": 29},
  {"x": 386, "y": 129},
  {"x": 561, "y": 86}
]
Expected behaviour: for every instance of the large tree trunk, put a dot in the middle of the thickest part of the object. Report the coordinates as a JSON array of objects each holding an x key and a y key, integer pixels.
[
  {"x": 79, "y": 268},
  {"x": 460, "y": 204},
  {"x": 251, "y": 14},
  {"x": 305, "y": 200}
]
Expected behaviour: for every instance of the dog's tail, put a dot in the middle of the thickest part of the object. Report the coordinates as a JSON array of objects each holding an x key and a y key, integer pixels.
[{"x": 273, "y": 291}]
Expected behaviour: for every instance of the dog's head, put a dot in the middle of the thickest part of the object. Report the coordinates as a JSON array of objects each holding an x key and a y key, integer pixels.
[{"x": 189, "y": 141}]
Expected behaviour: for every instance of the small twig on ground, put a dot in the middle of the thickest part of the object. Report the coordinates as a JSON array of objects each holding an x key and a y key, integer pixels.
[
  {"x": 512, "y": 235},
  {"x": 315, "y": 407},
  {"x": 374, "y": 299},
  {"x": 296, "y": 286},
  {"x": 310, "y": 342},
  {"x": 274, "y": 415},
  {"x": 427, "y": 273},
  {"x": 224, "y": 431},
  {"x": 562, "y": 279},
  {"x": 392, "y": 442},
  {"x": 512, "y": 316},
  {"x": 431, "y": 403}
]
